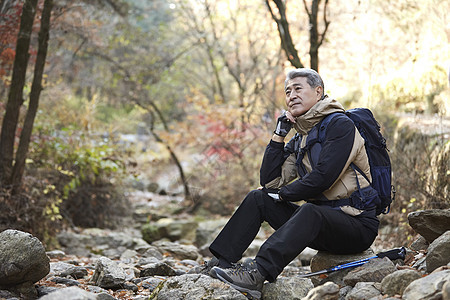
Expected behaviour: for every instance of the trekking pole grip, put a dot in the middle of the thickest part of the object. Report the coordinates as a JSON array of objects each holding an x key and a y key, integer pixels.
[{"x": 393, "y": 254}]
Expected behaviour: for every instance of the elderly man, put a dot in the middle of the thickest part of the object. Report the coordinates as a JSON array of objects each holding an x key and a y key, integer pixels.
[{"x": 322, "y": 177}]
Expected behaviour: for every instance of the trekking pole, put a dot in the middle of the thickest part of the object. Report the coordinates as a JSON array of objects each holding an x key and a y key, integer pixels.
[{"x": 393, "y": 254}]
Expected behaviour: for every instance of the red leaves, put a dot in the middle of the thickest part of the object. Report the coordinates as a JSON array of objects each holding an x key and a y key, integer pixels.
[{"x": 9, "y": 29}]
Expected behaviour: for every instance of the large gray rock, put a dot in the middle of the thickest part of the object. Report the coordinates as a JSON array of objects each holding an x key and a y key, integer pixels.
[
  {"x": 419, "y": 244},
  {"x": 430, "y": 223},
  {"x": 70, "y": 293},
  {"x": 22, "y": 258},
  {"x": 207, "y": 231},
  {"x": 152, "y": 251},
  {"x": 373, "y": 271},
  {"x": 158, "y": 268},
  {"x": 395, "y": 283},
  {"x": 428, "y": 287},
  {"x": 195, "y": 286},
  {"x": 287, "y": 288},
  {"x": 177, "y": 250},
  {"x": 171, "y": 229},
  {"x": 108, "y": 274},
  {"x": 438, "y": 252},
  {"x": 324, "y": 260},
  {"x": 63, "y": 269}
]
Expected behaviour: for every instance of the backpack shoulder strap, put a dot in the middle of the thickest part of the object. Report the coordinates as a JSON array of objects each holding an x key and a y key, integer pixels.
[
  {"x": 315, "y": 136},
  {"x": 324, "y": 124}
]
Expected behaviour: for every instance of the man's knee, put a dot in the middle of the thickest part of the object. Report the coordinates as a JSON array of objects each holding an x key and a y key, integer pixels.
[
  {"x": 257, "y": 200},
  {"x": 308, "y": 211},
  {"x": 257, "y": 197},
  {"x": 308, "y": 208}
]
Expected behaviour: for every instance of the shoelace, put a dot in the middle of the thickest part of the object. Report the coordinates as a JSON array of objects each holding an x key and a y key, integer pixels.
[{"x": 239, "y": 269}]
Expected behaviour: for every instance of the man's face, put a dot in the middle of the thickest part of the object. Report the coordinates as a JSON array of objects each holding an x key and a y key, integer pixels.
[{"x": 300, "y": 96}]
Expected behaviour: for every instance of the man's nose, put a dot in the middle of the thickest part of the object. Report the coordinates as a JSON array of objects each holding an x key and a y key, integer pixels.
[{"x": 293, "y": 94}]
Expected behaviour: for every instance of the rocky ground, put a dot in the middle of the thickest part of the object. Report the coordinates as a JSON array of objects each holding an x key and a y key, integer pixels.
[{"x": 152, "y": 259}]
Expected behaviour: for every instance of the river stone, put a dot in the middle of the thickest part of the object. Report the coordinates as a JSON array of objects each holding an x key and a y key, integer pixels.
[
  {"x": 171, "y": 229},
  {"x": 208, "y": 230},
  {"x": 395, "y": 283},
  {"x": 324, "y": 260},
  {"x": 22, "y": 258},
  {"x": 428, "y": 287},
  {"x": 364, "y": 291},
  {"x": 430, "y": 223},
  {"x": 438, "y": 252},
  {"x": 177, "y": 250},
  {"x": 69, "y": 293},
  {"x": 287, "y": 288},
  {"x": 63, "y": 269},
  {"x": 373, "y": 271},
  {"x": 327, "y": 291},
  {"x": 158, "y": 268},
  {"x": 419, "y": 244},
  {"x": 195, "y": 286},
  {"x": 108, "y": 274}
]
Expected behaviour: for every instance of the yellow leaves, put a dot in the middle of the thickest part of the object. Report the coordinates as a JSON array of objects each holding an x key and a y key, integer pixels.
[
  {"x": 65, "y": 172},
  {"x": 49, "y": 188},
  {"x": 51, "y": 210}
]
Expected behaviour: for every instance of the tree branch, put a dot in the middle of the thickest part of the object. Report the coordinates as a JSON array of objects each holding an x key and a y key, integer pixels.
[
  {"x": 285, "y": 35},
  {"x": 326, "y": 22}
]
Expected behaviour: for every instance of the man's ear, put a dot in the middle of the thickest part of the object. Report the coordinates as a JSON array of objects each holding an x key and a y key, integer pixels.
[{"x": 319, "y": 92}]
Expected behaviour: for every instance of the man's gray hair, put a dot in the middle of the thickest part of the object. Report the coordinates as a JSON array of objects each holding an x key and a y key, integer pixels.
[{"x": 312, "y": 77}]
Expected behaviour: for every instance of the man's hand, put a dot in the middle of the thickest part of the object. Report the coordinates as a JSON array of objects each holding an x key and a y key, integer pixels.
[
  {"x": 284, "y": 124},
  {"x": 274, "y": 194}
]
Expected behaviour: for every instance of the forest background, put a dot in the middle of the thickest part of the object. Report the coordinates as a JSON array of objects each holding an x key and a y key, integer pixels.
[{"x": 181, "y": 97}]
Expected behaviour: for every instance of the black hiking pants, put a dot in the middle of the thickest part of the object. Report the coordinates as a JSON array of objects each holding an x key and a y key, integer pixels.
[{"x": 297, "y": 227}]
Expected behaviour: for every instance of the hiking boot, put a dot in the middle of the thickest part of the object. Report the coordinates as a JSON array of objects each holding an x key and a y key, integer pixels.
[
  {"x": 247, "y": 263},
  {"x": 245, "y": 278},
  {"x": 205, "y": 269}
]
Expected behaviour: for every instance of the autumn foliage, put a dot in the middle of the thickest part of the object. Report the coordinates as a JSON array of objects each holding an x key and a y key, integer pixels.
[{"x": 9, "y": 28}]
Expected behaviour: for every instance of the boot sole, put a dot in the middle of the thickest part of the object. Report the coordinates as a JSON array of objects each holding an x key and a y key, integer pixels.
[
  {"x": 212, "y": 273},
  {"x": 250, "y": 294}
]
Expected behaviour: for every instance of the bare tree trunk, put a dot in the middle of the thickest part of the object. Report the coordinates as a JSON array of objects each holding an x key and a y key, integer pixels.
[
  {"x": 2, "y": 3},
  {"x": 15, "y": 97},
  {"x": 36, "y": 89},
  {"x": 314, "y": 35},
  {"x": 187, "y": 193},
  {"x": 316, "y": 39},
  {"x": 283, "y": 29}
]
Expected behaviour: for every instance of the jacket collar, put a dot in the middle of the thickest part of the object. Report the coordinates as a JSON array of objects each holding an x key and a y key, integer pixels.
[{"x": 322, "y": 108}]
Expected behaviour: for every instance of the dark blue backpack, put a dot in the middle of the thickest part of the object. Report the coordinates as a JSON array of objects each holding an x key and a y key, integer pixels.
[{"x": 377, "y": 152}]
